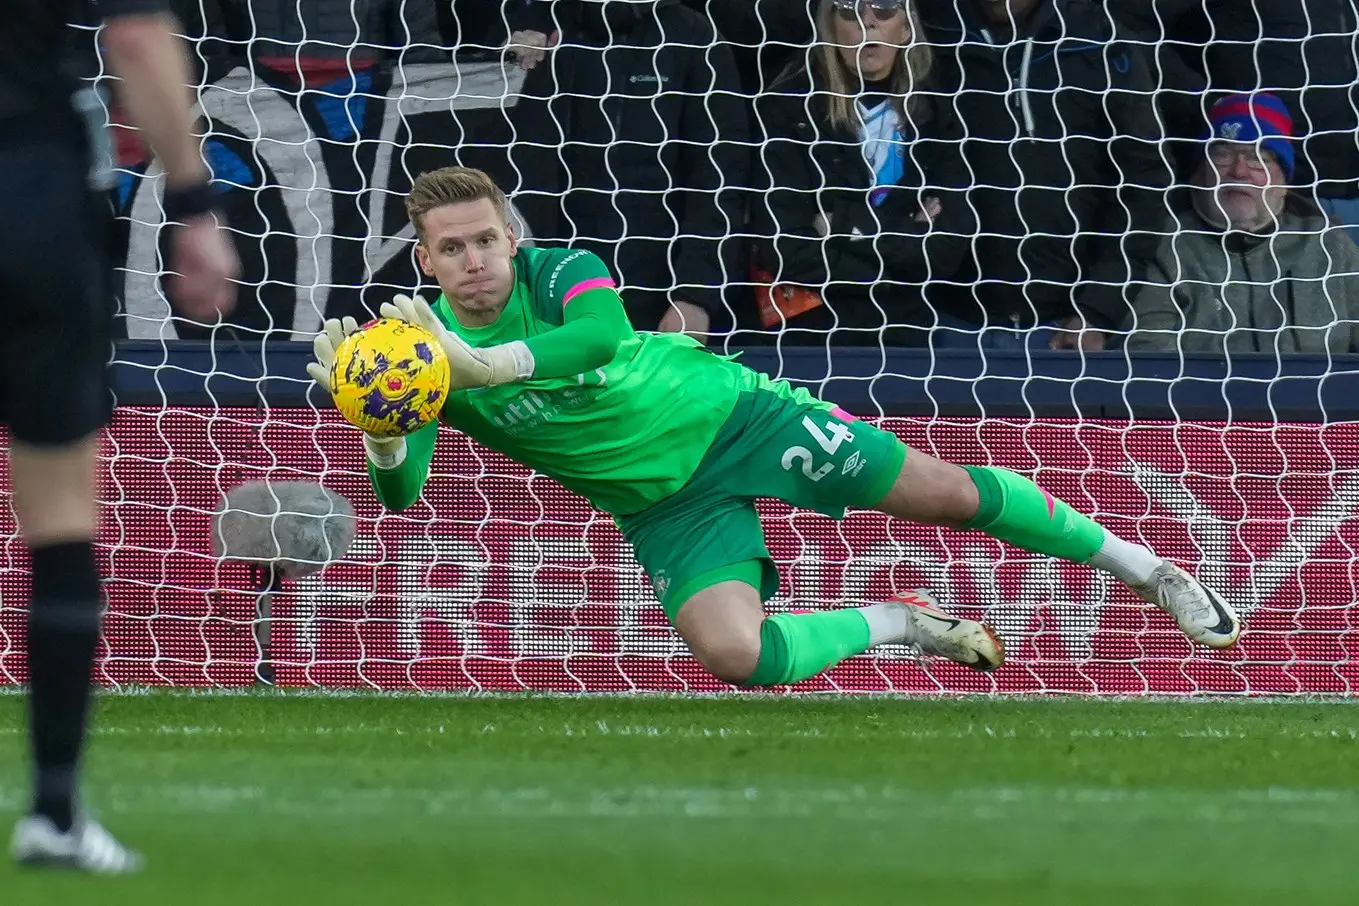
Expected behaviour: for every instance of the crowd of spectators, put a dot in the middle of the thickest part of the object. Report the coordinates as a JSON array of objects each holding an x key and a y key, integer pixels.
[{"x": 993, "y": 174}]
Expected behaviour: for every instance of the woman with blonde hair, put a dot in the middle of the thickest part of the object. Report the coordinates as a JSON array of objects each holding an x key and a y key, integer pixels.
[{"x": 859, "y": 184}]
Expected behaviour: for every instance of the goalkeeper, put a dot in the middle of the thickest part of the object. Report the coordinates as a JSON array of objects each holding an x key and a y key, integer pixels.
[{"x": 676, "y": 443}]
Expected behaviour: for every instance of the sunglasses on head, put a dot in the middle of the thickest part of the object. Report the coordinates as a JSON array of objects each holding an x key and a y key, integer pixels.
[{"x": 882, "y": 10}]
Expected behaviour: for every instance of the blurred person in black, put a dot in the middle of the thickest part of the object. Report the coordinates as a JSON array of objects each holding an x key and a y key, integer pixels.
[
  {"x": 646, "y": 134},
  {"x": 1063, "y": 144},
  {"x": 55, "y": 396},
  {"x": 350, "y": 35},
  {"x": 860, "y": 194},
  {"x": 765, "y": 35}
]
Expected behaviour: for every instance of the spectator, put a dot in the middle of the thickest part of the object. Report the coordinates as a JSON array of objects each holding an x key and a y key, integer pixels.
[
  {"x": 1063, "y": 146},
  {"x": 1250, "y": 266},
  {"x": 765, "y": 34},
  {"x": 476, "y": 28},
  {"x": 1303, "y": 51},
  {"x": 649, "y": 144},
  {"x": 855, "y": 168},
  {"x": 286, "y": 34}
]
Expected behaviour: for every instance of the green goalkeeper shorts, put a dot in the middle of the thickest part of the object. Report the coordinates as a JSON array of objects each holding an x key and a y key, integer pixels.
[{"x": 778, "y": 442}]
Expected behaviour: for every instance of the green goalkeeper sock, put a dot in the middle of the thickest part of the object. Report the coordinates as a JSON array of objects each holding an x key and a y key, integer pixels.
[
  {"x": 1016, "y": 510},
  {"x": 795, "y": 646}
]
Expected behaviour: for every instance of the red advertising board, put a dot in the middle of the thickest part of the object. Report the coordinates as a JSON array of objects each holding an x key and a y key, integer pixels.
[{"x": 500, "y": 580}]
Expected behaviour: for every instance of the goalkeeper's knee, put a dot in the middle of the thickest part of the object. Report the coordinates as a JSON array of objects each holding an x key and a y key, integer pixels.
[
  {"x": 733, "y": 659},
  {"x": 751, "y": 658}
]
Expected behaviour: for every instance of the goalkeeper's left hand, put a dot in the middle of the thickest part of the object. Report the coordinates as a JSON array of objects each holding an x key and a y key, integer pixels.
[{"x": 468, "y": 367}]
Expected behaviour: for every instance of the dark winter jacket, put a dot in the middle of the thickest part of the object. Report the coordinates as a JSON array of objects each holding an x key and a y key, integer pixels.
[
  {"x": 1293, "y": 290},
  {"x": 354, "y": 30},
  {"x": 764, "y": 35},
  {"x": 872, "y": 268},
  {"x": 1063, "y": 144},
  {"x": 1282, "y": 46},
  {"x": 646, "y": 141}
]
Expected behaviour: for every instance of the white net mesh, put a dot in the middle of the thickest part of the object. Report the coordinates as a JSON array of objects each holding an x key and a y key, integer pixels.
[{"x": 1244, "y": 469}]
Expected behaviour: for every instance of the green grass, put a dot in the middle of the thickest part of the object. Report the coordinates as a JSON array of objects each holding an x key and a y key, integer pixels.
[{"x": 313, "y": 800}]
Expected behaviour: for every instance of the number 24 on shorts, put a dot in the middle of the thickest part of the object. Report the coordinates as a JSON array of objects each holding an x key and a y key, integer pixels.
[{"x": 828, "y": 442}]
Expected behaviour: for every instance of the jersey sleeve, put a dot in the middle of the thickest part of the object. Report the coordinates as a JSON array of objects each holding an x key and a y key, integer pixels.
[
  {"x": 396, "y": 489},
  {"x": 595, "y": 326},
  {"x": 564, "y": 276}
]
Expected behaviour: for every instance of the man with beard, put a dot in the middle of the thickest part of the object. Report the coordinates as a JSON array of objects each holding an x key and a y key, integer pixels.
[
  {"x": 1250, "y": 266},
  {"x": 1303, "y": 51}
]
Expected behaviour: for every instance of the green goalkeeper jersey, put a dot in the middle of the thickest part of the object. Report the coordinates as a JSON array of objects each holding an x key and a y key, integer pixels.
[{"x": 625, "y": 434}]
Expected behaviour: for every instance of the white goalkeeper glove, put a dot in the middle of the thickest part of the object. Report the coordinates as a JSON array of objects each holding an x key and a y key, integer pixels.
[
  {"x": 468, "y": 367},
  {"x": 383, "y": 452}
]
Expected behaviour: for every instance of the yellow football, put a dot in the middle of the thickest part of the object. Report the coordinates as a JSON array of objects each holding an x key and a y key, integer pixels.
[{"x": 390, "y": 378}]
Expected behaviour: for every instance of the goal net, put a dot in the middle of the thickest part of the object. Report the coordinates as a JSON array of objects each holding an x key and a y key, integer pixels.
[{"x": 500, "y": 580}]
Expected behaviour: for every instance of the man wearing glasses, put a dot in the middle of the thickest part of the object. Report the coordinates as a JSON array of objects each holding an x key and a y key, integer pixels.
[{"x": 1251, "y": 266}]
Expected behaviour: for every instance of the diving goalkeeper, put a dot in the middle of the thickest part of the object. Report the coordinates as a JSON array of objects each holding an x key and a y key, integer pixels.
[{"x": 676, "y": 443}]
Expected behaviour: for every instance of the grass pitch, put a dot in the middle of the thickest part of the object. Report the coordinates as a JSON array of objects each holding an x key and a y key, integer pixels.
[{"x": 312, "y": 799}]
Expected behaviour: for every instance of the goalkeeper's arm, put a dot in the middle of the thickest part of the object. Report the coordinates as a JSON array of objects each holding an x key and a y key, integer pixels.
[
  {"x": 398, "y": 467},
  {"x": 594, "y": 324}
]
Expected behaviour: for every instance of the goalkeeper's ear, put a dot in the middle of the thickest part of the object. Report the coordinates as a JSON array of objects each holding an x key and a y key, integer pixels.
[{"x": 422, "y": 258}]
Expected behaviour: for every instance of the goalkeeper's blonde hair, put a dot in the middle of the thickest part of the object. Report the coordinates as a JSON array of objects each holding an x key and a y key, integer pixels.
[{"x": 451, "y": 185}]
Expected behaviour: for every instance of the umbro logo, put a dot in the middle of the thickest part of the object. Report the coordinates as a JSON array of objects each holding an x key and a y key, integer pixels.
[{"x": 853, "y": 465}]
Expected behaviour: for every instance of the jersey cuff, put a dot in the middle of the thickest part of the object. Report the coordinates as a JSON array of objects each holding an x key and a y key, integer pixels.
[
  {"x": 522, "y": 358},
  {"x": 385, "y": 453}
]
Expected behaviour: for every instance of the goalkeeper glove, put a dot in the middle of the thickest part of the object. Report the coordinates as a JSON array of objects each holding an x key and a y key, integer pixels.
[
  {"x": 383, "y": 452},
  {"x": 468, "y": 367}
]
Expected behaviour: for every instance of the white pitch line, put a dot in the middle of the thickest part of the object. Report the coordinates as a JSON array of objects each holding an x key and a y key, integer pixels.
[
  {"x": 1350, "y": 699},
  {"x": 1327, "y": 808},
  {"x": 602, "y": 728}
]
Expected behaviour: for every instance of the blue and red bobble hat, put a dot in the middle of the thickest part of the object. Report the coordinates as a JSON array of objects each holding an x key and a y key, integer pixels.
[{"x": 1255, "y": 117}]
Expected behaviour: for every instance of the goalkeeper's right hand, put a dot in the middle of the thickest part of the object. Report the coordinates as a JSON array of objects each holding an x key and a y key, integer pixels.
[
  {"x": 468, "y": 367},
  {"x": 383, "y": 452}
]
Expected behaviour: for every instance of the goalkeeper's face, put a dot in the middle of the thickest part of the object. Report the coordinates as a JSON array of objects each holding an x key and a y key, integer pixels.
[{"x": 469, "y": 248}]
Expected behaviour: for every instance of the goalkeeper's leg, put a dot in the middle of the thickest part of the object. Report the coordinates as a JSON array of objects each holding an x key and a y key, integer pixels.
[
  {"x": 722, "y": 620},
  {"x": 1010, "y": 507}
]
